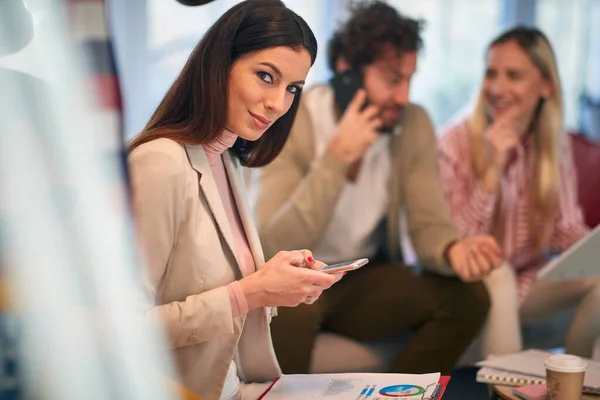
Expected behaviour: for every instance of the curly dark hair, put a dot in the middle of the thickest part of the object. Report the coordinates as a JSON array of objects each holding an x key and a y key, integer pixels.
[{"x": 372, "y": 26}]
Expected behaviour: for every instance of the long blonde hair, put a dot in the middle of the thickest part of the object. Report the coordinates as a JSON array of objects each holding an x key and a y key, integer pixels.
[{"x": 547, "y": 128}]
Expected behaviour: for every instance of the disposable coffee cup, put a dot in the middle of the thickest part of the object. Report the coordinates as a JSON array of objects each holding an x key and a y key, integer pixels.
[{"x": 564, "y": 377}]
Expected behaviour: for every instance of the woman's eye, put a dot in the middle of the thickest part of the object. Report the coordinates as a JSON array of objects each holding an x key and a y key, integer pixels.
[
  {"x": 293, "y": 89},
  {"x": 265, "y": 76},
  {"x": 514, "y": 76}
]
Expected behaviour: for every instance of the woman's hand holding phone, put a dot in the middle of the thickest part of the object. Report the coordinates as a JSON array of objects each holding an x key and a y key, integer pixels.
[
  {"x": 287, "y": 279},
  {"x": 357, "y": 130}
]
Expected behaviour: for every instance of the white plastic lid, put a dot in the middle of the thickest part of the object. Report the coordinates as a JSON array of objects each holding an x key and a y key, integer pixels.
[{"x": 565, "y": 363}]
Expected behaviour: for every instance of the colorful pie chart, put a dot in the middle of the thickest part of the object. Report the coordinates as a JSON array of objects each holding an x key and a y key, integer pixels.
[{"x": 401, "y": 391}]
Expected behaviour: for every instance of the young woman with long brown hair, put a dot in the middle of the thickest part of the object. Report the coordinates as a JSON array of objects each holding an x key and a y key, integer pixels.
[{"x": 233, "y": 104}]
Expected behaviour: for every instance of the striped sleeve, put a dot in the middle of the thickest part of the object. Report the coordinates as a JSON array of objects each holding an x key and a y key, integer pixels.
[
  {"x": 570, "y": 226},
  {"x": 471, "y": 205}
]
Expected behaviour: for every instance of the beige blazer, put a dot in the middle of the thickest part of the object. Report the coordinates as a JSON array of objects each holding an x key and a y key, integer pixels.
[
  {"x": 190, "y": 255},
  {"x": 297, "y": 193}
]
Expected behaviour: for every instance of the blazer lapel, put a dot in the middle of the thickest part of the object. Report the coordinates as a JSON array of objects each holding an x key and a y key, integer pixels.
[
  {"x": 257, "y": 357},
  {"x": 210, "y": 190},
  {"x": 239, "y": 193}
]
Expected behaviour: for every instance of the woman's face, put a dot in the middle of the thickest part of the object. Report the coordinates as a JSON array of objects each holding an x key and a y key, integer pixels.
[
  {"x": 513, "y": 84},
  {"x": 262, "y": 87}
]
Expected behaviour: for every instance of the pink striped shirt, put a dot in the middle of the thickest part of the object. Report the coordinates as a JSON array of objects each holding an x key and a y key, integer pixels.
[
  {"x": 213, "y": 151},
  {"x": 473, "y": 207}
]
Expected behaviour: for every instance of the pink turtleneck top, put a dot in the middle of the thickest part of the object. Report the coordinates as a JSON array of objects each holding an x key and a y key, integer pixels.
[{"x": 214, "y": 151}]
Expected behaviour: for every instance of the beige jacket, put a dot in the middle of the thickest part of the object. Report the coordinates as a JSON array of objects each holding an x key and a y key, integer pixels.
[
  {"x": 298, "y": 193},
  {"x": 190, "y": 256}
]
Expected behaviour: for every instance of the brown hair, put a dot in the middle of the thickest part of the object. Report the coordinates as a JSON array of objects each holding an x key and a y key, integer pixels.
[
  {"x": 373, "y": 27},
  {"x": 194, "y": 110}
]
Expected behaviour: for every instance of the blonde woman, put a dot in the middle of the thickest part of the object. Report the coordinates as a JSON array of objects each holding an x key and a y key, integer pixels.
[{"x": 507, "y": 170}]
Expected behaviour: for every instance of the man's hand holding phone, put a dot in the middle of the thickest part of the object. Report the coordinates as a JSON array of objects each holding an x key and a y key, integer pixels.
[{"x": 357, "y": 130}]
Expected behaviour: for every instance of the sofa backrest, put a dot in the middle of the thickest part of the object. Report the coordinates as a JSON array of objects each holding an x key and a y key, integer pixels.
[{"x": 586, "y": 155}]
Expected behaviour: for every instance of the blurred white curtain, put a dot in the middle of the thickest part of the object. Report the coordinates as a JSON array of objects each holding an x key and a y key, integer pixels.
[
  {"x": 573, "y": 29},
  {"x": 67, "y": 250},
  {"x": 450, "y": 67}
]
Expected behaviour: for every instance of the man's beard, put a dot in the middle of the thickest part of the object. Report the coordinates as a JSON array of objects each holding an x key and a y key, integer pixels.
[{"x": 389, "y": 123}]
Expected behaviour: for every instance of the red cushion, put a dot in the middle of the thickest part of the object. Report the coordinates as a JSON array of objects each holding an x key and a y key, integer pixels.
[{"x": 586, "y": 155}]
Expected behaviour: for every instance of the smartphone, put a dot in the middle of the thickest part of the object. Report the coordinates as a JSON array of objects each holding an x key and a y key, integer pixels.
[
  {"x": 345, "y": 85},
  {"x": 345, "y": 266}
]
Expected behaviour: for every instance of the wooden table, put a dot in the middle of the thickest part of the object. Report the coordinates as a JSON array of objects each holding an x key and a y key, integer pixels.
[{"x": 506, "y": 393}]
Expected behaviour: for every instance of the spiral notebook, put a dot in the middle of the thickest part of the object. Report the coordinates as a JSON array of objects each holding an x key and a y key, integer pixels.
[{"x": 527, "y": 368}]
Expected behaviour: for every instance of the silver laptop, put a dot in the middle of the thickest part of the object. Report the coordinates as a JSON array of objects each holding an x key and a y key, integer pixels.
[{"x": 582, "y": 260}]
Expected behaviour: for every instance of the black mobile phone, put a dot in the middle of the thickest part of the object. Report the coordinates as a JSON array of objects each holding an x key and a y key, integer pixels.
[{"x": 345, "y": 85}]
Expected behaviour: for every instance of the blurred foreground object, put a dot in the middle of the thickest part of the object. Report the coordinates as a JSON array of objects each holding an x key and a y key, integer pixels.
[{"x": 75, "y": 328}]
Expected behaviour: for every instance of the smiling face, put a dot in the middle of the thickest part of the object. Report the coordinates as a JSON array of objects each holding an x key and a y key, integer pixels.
[
  {"x": 513, "y": 83},
  {"x": 262, "y": 87}
]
